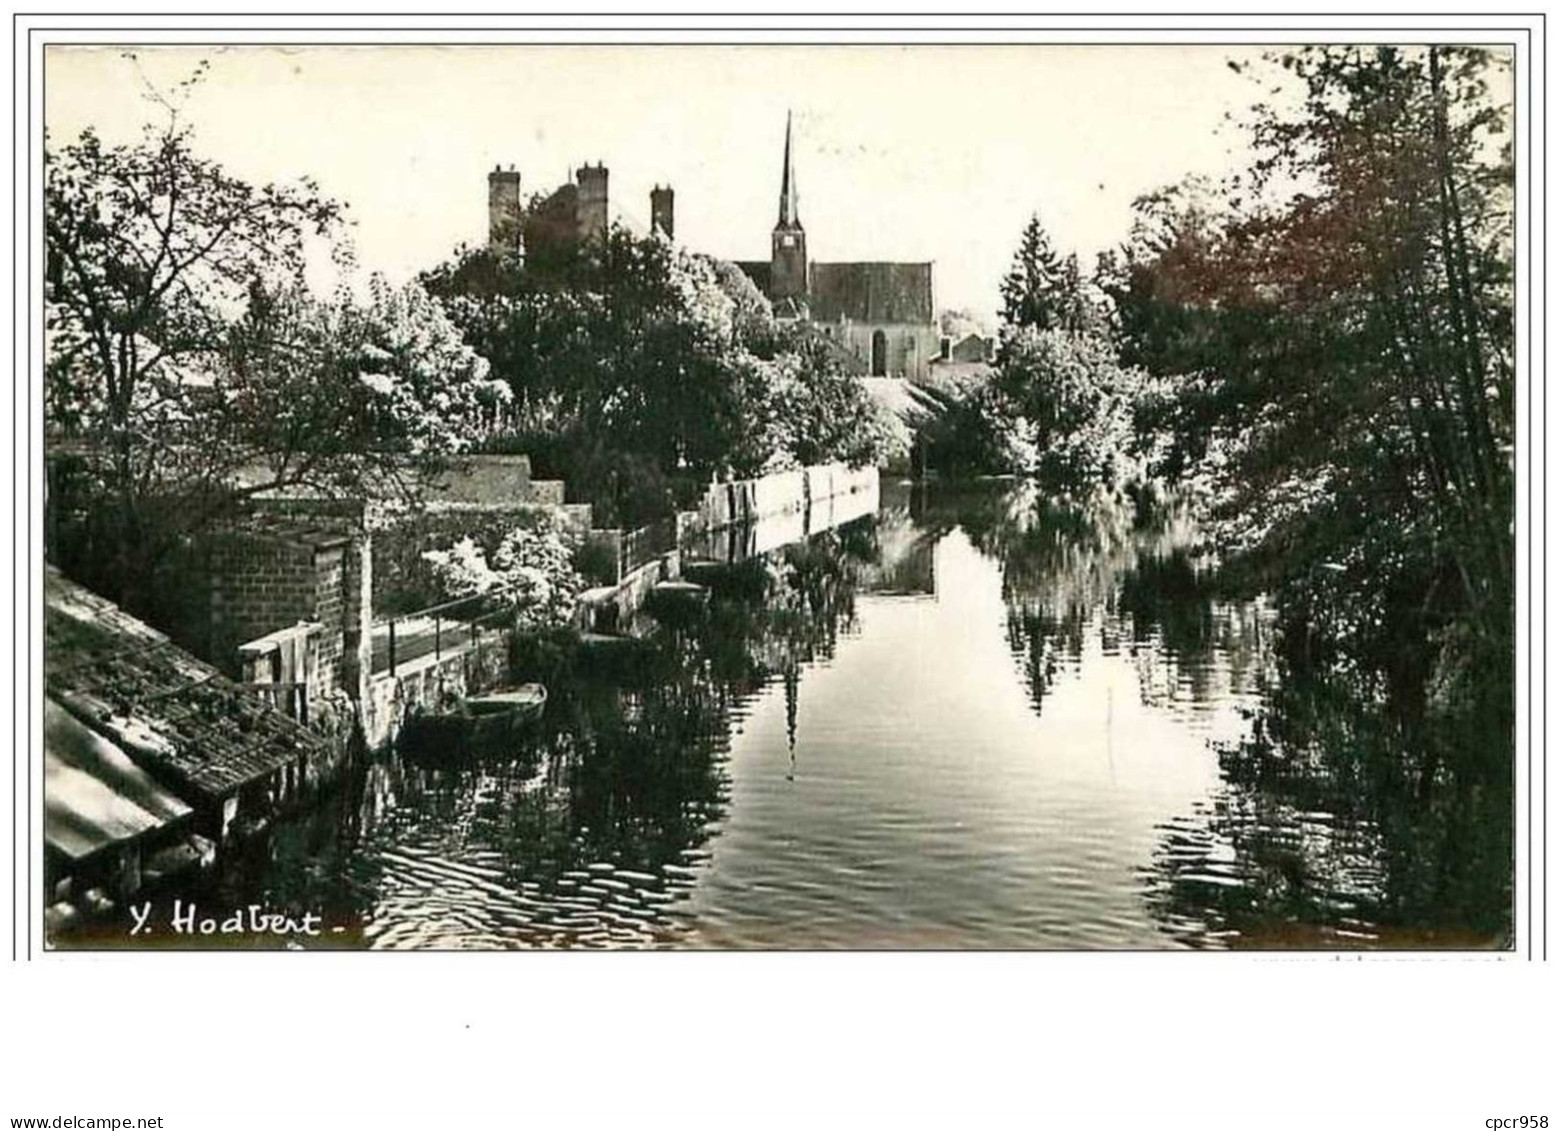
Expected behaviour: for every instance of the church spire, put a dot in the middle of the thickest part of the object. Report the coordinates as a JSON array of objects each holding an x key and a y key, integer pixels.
[
  {"x": 788, "y": 217},
  {"x": 788, "y": 263}
]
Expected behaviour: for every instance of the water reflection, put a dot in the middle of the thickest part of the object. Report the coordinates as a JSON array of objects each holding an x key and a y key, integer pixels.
[
  {"x": 1323, "y": 833},
  {"x": 935, "y": 805},
  {"x": 977, "y": 718}
]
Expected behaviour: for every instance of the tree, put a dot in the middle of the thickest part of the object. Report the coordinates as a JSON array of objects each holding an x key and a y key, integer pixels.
[
  {"x": 1345, "y": 340},
  {"x": 1043, "y": 291},
  {"x": 806, "y": 407},
  {"x": 186, "y": 369},
  {"x": 1061, "y": 405},
  {"x": 1076, "y": 401},
  {"x": 640, "y": 370},
  {"x": 348, "y": 397},
  {"x": 529, "y": 567},
  {"x": 981, "y": 433},
  {"x": 149, "y": 252}
]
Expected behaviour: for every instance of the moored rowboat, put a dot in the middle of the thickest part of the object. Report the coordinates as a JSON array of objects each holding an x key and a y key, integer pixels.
[
  {"x": 480, "y": 722},
  {"x": 524, "y": 701},
  {"x": 497, "y": 715}
]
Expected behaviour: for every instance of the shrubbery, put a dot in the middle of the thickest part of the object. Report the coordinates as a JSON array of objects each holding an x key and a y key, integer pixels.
[
  {"x": 531, "y": 567},
  {"x": 641, "y": 371}
]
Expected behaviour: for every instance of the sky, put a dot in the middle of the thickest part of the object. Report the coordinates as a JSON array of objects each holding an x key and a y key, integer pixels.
[{"x": 912, "y": 153}]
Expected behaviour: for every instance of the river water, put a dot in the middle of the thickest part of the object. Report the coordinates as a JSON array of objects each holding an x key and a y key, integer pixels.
[{"x": 975, "y": 719}]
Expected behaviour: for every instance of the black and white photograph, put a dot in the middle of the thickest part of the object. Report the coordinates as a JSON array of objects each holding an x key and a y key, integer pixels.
[
  {"x": 990, "y": 495},
  {"x": 509, "y": 511}
]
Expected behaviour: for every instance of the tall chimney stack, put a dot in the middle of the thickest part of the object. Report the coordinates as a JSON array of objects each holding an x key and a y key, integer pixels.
[{"x": 662, "y": 214}]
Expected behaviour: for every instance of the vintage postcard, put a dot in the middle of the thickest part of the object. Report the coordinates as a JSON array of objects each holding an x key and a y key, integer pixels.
[
  {"x": 1019, "y": 504},
  {"x": 961, "y": 497}
]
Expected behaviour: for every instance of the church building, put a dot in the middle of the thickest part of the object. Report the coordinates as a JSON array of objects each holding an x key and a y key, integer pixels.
[{"x": 881, "y": 313}]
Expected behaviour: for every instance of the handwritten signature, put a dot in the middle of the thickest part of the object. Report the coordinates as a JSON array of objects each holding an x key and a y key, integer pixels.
[{"x": 254, "y": 919}]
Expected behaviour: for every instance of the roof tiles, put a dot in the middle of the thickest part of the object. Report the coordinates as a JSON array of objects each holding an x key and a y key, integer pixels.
[{"x": 173, "y": 714}]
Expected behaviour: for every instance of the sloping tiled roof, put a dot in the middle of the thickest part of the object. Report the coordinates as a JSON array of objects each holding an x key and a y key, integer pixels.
[
  {"x": 177, "y": 717},
  {"x": 94, "y": 796},
  {"x": 871, "y": 292},
  {"x": 972, "y": 347},
  {"x": 759, "y": 271}
]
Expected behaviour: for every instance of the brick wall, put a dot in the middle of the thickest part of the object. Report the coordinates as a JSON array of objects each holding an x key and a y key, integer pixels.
[
  {"x": 329, "y": 607},
  {"x": 257, "y": 586},
  {"x": 356, "y": 614},
  {"x": 260, "y": 584}
]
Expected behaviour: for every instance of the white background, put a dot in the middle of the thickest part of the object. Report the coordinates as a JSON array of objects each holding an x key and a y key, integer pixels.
[{"x": 777, "y": 1040}]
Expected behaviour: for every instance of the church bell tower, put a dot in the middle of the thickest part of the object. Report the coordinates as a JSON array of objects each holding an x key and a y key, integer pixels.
[{"x": 788, "y": 263}]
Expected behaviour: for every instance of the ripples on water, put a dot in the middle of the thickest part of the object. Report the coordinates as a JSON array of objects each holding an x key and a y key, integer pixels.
[
  {"x": 492, "y": 853},
  {"x": 966, "y": 726}
]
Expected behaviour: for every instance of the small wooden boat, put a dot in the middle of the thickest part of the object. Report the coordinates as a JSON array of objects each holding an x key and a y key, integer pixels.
[
  {"x": 524, "y": 701},
  {"x": 680, "y": 591},
  {"x": 487, "y": 722},
  {"x": 494, "y": 719}
]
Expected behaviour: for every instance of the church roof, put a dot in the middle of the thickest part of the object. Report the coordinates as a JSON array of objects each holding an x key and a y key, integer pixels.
[
  {"x": 871, "y": 292},
  {"x": 758, "y": 271}
]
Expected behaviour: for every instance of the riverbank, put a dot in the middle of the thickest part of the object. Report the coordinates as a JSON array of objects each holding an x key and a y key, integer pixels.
[{"x": 966, "y": 720}]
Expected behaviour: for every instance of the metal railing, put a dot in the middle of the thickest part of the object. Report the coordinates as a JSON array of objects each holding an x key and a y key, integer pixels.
[
  {"x": 642, "y": 546},
  {"x": 455, "y": 624}
]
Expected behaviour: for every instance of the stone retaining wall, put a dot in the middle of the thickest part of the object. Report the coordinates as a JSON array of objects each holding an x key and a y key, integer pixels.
[
  {"x": 429, "y": 684},
  {"x": 751, "y": 500}
]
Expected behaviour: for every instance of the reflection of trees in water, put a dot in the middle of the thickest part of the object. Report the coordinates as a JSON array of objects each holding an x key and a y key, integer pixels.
[
  {"x": 641, "y": 772},
  {"x": 1336, "y": 835},
  {"x": 1189, "y": 642},
  {"x": 903, "y": 558},
  {"x": 640, "y": 755},
  {"x": 1338, "y": 822},
  {"x": 1334, "y": 822},
  {"x": 777, "y": 613},
  {"x": 642, "y": 775},
  {"x": 627, "y": 765},
  {"x": 1073, "y": 570},
  {"x": 1060, "y": 566}
]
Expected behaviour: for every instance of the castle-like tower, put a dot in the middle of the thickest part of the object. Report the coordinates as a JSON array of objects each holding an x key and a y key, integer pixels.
[
  {"x": 788, "y": 257},
  {"x": 576, "y": 212},
  {"x": 592, "y": 211},
  {"x": 505, "y": 211}
]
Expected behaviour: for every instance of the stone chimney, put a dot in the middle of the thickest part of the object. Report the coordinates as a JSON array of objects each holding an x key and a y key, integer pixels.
[{"x": 662, "y": 215}]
